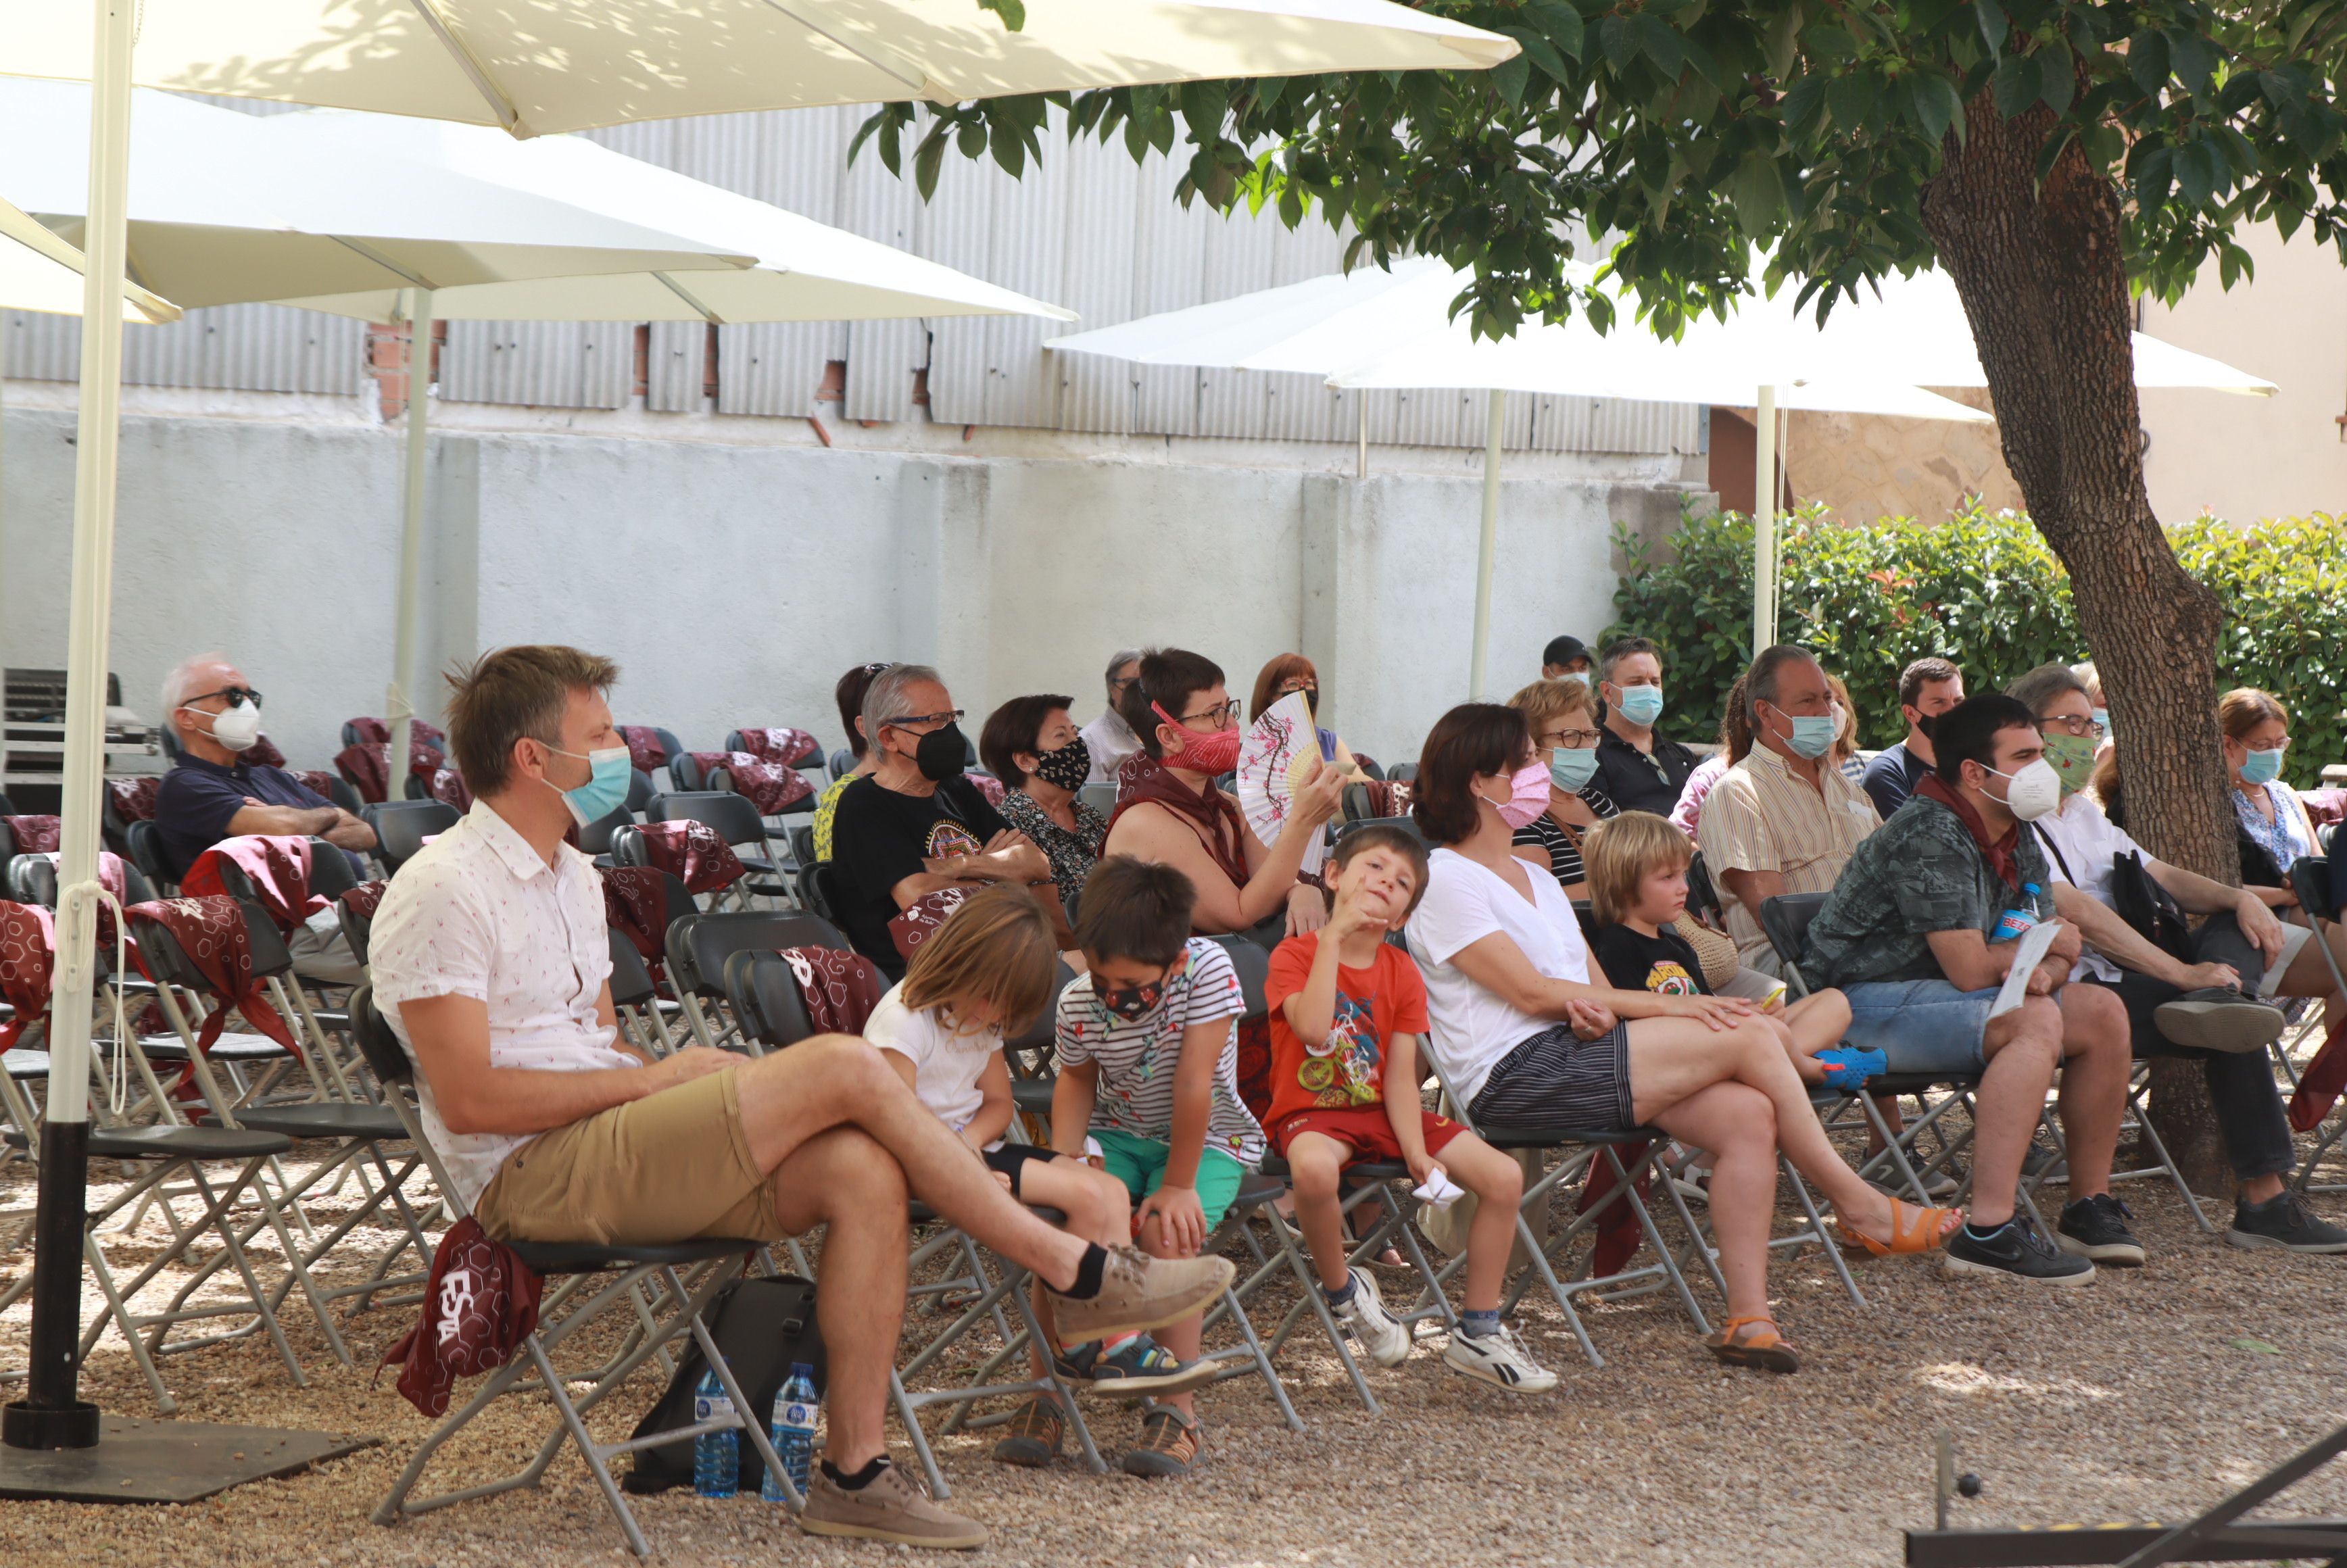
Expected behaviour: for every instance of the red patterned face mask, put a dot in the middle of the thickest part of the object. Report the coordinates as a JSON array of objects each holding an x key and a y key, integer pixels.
[{"x": 1212, "y": 754}]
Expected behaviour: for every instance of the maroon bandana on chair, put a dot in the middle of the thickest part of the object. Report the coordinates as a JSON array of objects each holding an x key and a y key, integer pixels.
[
  {"x": 645, "y": 752},
  {"x": 211, "y": 931},
  {"x": 37, "y": 834},
  {"x": 28, "y": 950},
  {"x": 366, "y": 898},
  {"x": 447, "y": 786},
  {"x": 320, "y": 781},
  {"x": 480, "y": 1305},
  {"x": 278, "y": 866},
  {"x": 840, "y": 989},
  {"x": 635, "y": 902},
  {"x": 111, "y": 877},
  {"x": 264, "y": 753},
  {"x": 134, "y": 798},
  {"x": 920, "y": 919},
  {"x": 771, "y": 787},
  {"x": 779, "y": 744},
  {"x": 374, "y": 732},
  {"x": 692, "y": 854},
  {"x": 367, "y": 766}
]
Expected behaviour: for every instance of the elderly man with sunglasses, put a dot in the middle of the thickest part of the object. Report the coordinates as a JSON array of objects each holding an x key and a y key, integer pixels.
[{"x": 214, "y": 793}]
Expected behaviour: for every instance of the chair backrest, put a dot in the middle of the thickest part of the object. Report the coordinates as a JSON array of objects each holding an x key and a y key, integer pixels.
[
  {"x": 595, "y": 838},
  {"x": 699, "y": 944},
  {"x": 1044, "y": 1030},
  {"x": 1254, "y": 966},
  {"x": 339, "y": 791},
  {"x": 331, "y": 875},
  {"x": 685, "y": 774},
  {"x": 32, "y": 880},
  {"x": 631, "y": 982},
  {"x": 819, "y": 886},
  {"x": 417, "y": 787},
  {"x": 626, "y": 846},
  {"x": 167, "y": 963},
  {"x": 1354, "y": 802},
  {"x": 1702, "y": 896},
  {"x": 736, "y": 821},
  {"x": 842, "y": 762},
  {"x": 1369, "y": 766},
  {"x": 2310, "y": 880},
  {"x": 1402, "y": 772},
  {"x": 381, "y": 1048},
  {"x": 402, "y": 826},
  {"x": 1407, "y": 824},
  {"x": 764, "y": 995},
  {"x": 641, "y": 790},
  {"x": 1100, "y": 794},
  {"x": 144, "y": 841},
  {"x": 357, "y": 929},
  {"x": 802, "y": 844},
  {"x": 1785, "y": 921}
]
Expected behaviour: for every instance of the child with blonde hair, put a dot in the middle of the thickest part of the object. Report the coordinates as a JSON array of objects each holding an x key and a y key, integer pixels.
[{"x": 990, "y": 971}]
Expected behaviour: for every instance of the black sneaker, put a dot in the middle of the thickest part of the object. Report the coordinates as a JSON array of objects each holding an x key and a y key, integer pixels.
[
  {"x": 2014, "y": 1251},
  {"x": 2096, "y": 1228},
  {"x": 2219, "y": 1019},
  {"x": 2284, "y": 1222}
]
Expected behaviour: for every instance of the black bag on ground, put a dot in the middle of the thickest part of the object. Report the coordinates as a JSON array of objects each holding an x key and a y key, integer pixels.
[
  {"x": 2150, "y": 909},
  {"x": 761, "y": 1327}
]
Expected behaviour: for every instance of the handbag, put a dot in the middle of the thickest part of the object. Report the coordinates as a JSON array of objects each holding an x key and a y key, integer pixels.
[
  {"x": 761, "y": 1327},
  {"x": 2148, "y": 907}
]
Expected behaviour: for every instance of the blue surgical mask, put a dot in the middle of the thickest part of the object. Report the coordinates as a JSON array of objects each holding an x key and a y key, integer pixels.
[
  {"x": 1813, "y": 735},
  {"x": 605, "y": 789},
  {"x": 1642, "y": 705},
  {"x": 2103, "y": 720},
  {"x": 2262, "y": 767},
  {"x": 1570, "y": 768}
]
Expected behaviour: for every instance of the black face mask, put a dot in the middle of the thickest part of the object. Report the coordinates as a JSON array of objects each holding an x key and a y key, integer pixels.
[
  {"x": 942, "y": 755},
  {"x": 1066, "y": 768}
]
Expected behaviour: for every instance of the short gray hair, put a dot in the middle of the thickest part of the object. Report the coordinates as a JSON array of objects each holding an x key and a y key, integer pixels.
[
  {"x": 182, "y": 681},
  {"x": 1124, "y": 656},
  {"x": 884, "y": 700},
  {"x": 2037, "y": 689}
]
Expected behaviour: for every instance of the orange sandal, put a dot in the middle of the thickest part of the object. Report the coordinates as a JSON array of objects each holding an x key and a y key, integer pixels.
[
  {"x": 1912, "y": 1230},
  {"x": 1766, "y": 1350}
]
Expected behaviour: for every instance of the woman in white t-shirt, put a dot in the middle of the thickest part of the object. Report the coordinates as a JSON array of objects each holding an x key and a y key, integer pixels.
[
  {"x": 1526, "y": 1040},
  {"x": 990, "y": 969}
]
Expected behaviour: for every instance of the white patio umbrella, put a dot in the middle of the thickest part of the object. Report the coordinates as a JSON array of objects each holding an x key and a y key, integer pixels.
[
  {"x": 804, "y": 271},
  {"x": 530, "y": 70},
  {"x": 539, "y": 69},
  {"x": 1380, "y": 329},
  {"x": 39, "y": 272}
]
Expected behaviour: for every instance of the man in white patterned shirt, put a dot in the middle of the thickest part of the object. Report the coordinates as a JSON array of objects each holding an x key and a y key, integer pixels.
[{"x": 491, "y": 963}]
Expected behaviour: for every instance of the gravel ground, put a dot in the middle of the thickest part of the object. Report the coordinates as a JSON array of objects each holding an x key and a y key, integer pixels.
[{"x": 2151, "y": 1394}]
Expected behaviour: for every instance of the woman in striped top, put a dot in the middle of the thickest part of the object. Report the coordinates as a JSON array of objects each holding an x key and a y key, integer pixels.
[{"x": 1562, "y": 719}]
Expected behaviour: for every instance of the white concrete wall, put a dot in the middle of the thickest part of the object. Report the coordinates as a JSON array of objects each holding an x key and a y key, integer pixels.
[{"x": 734, "y": 580}]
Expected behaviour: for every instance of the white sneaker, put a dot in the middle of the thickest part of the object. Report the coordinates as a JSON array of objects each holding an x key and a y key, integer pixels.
[
  {"x": 1385, "y": 1340},
  {"x": 1497, "y": 1358}
]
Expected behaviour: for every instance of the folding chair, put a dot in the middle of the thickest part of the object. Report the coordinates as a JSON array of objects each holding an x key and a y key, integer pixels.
[
  {"x": 735, "y": 821},
  {"x": 636, "y": 999},
  {"x": 1703, "y": 898},
  {"x": 841, "y": 764},
  {"x": 698, "y": 947},
  {"x": 145, "y": 844},
  {"x": 573, "y": 1302},
  {"x": 1100, "y": 794},
  {"x": 1407, "y": 824},
  {"x": 402, "y": 826},
  {"x": 765, "y": 997},
  {"x": 2309, "y": 878},
  {"x": 595, "y": 838}
]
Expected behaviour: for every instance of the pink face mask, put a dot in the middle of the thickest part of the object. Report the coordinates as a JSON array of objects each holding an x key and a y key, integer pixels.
[
  {"x": 1528, "y": 796},
  {"x": 1213, "y": 754}
]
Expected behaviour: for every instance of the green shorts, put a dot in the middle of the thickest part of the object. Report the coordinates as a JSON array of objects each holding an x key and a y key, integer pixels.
[{"x": 1140, "y": 1165}]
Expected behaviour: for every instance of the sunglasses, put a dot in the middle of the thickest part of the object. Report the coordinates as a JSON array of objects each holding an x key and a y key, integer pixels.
[{"x": 234, "y": 694}]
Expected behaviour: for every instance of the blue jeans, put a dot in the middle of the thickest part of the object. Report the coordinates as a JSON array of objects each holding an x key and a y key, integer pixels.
[{"x": 1921, "y": 1026}]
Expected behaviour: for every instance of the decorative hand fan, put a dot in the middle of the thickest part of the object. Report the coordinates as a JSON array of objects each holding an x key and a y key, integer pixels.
[{"x": 1278, "y": 754}]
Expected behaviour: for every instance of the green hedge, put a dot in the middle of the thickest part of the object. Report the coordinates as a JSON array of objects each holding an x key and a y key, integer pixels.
[{"x": 1983, "y": 589}]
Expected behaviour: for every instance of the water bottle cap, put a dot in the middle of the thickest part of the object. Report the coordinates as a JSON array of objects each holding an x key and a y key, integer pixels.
[{"x": 799, "y": 1367}]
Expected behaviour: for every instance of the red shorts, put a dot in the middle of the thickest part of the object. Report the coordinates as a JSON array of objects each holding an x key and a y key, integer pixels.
[{"x": 1365, "y": 1129}]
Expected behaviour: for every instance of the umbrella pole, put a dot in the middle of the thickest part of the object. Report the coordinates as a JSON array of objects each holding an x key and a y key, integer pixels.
[
  {"x": 1494, "y": 404},
  {"x": 398, "y": 710},
  {"x": 1764, "y": 523},
  {"x": 53, "y": 1415}
]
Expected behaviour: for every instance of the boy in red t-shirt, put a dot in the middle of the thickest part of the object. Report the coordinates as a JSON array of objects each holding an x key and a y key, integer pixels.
[{"x": 1345, "y": 1007}]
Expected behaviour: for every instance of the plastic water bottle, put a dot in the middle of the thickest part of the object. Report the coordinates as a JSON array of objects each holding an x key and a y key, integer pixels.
[
  {"x": 716, "y": 1456},
  {"x": 794, "y": 1431},
  {"x": 2015, "y": 920}
]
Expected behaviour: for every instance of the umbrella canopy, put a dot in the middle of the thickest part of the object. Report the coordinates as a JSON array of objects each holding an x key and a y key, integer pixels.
[
  {"x": 222, "y": 212},
  {"x": 804, "y": 270},
  {"x": 535, "y": 69},
  {"x": 39, "y": 272}
]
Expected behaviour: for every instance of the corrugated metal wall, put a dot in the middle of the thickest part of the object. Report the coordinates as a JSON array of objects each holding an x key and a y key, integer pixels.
[{"x": 1088, "y": 230}]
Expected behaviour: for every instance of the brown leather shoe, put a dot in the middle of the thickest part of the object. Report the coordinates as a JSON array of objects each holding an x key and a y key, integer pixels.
[
  {"x": 1139, "y": 1291},
  {"x": 893, "y": 1507}
]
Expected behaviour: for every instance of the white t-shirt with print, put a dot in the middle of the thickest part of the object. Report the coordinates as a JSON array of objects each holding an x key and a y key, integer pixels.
[
  {"x": 1471, "y": 1028},
  {"x": 1138, "y": 1057},
  {"x": 946, "y": 1066}
]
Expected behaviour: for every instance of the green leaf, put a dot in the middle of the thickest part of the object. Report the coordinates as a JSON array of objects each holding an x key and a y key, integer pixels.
[
  {"x": 1538, "y": 50},
  {"x": 2147, "y": 61},
  {"x": 1826, "y": 41},
  {"x": 1619, "y": 44},
  {"x": 1994, "y": 23},
  {"x": 1661, "y": 43},
  {"x": 1849, "y": 99},
  {"x": 2193, "y": 57},
  {"x": 2015, "y": 85},
  {"x": 929, "y": 158},
  {"x": 1803, "y": 100},
  {"x": 2257, "y": 1347},
  {"x": 1510, "y": 76},
  {"x": 2057, "y": 77},
  {"x": 1012, "y": 11},
  {"x": 1757, "y": 191},
  {"x": 1562, "y": 23},
  {"x": 2199, "y": 166},
  {"x": 1937, "y": 106},
  {"x": 1780, "y": 49}
]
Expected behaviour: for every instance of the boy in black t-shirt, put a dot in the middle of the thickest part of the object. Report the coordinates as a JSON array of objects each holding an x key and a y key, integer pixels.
[{"x": 1638, "y": 865}]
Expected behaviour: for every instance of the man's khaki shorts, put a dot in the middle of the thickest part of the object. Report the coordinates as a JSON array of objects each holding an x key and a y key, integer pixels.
[{"x": 669, "y": 1167}]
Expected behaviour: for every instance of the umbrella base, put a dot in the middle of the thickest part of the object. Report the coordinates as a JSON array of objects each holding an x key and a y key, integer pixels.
[{"x": 135, "y": 1460}]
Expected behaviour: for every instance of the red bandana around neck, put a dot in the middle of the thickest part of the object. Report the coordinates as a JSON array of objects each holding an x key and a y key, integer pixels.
[
  {"x": 2002, "y": 852},
  {"x": 1210, "y": 811}
]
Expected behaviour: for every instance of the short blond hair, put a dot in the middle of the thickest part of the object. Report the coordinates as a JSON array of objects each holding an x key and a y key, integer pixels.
[
  {"x": 1544, "y": 702},
  {"x": 1622, "y": 852},
  {"x": 511, "y": 694}
]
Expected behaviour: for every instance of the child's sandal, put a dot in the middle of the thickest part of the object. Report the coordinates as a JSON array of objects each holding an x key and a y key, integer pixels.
[
  {"x": 1765, "y": 1349},
  {"x": 1912, "y": 1230}
]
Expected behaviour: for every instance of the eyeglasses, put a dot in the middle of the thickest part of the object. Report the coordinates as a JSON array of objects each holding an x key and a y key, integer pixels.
[
  {"x": 1288, "y": 688},
  {"x": 1570, "y": 740},
  {"x": 908, "y": 721},
  {"x": 234, "y": 694},
  {"x": 1218, "y": 718},
  {"x": 1121, "y": 682},
  {"x": 2071, "y": 724}
]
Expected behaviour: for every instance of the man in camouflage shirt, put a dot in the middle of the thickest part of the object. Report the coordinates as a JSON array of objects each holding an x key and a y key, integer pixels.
[{"x": 1907, "y": 934}]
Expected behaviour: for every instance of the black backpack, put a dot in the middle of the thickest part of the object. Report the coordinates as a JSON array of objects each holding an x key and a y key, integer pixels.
[{"x": 761, "y": 1327}]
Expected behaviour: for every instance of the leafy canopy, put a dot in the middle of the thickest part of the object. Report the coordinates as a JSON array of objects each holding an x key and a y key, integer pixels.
[{"x": 1696, "y": 130}]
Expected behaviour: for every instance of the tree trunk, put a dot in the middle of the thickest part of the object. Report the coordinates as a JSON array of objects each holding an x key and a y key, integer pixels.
[{"x": 2044, "y": 283}]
